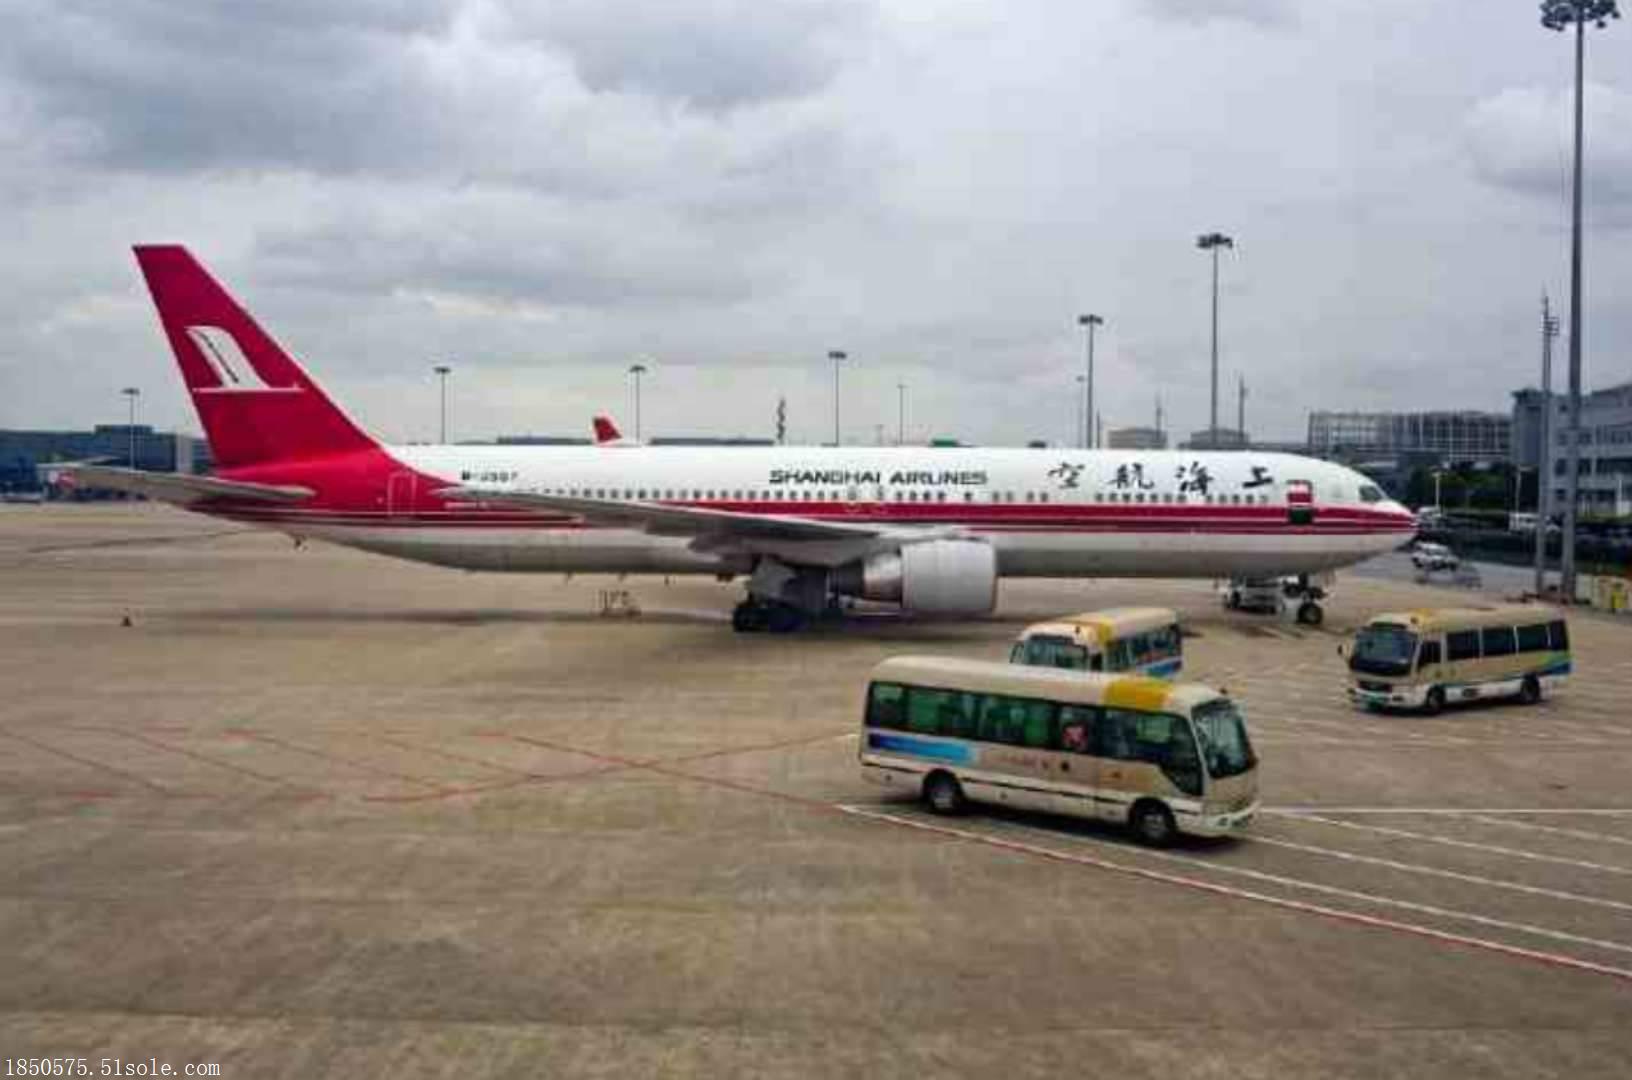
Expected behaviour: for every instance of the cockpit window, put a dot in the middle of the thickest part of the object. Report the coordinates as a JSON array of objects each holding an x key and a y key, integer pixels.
[{"x": 1370, "y": 493}]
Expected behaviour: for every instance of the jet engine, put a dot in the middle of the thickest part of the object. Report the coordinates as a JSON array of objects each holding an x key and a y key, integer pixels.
[{"x": 937, "y": 577}]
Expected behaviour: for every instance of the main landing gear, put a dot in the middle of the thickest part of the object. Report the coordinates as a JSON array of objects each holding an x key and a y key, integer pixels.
[
  {"x": 755, "y": 615},
  {"x": 782, "y": 599},
  {"x": 1309, "y": 595}
]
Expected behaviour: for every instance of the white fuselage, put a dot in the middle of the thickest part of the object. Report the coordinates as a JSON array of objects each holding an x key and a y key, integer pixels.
[{"x": 1047, "y": 513}]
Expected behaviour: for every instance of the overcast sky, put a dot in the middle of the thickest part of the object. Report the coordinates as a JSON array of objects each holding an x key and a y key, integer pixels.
[{"x": 542, "y": 192}]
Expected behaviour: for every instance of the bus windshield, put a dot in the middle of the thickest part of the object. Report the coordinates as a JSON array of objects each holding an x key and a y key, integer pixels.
[
  {"x": 1049, "y": 650},
  {"x": 1384, "y": 649},
  {"x": 1223, "y": 736}
]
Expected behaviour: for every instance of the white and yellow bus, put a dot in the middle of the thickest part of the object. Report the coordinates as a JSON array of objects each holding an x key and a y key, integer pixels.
[
  {"x": 1162, "y": 758},
  {"x": 1428, "y": 659},
  {"x": 1144, "y": 640}
]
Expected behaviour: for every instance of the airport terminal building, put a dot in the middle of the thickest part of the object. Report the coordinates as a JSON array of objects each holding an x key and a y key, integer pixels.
[
  {"x": 26, "y": 455},
  {"x": 1606, "y": 444}
]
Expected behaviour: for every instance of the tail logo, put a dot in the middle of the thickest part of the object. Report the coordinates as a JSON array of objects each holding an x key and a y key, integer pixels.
[{"x": 233, "y": 371}]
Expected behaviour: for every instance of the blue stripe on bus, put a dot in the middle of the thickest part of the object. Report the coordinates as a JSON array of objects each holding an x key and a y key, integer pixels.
[
  {"x": 915, "y": 747},
  {"x": 1164, "y": 669}
]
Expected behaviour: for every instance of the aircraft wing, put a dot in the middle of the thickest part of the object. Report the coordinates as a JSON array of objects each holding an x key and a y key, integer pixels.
[
  {"x": 666, "y": 520},
  {"x": 180, "y": 488}
]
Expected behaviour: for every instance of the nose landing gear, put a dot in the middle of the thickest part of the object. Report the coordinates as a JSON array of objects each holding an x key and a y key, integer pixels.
[{"x": 1309, "y": 595}]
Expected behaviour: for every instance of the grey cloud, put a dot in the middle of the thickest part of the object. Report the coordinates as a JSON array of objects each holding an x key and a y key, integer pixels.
[
  {"x": 1520, "y": 140},
  {"x": 1267, "y": 13},
  {"x": 173, "y": 87},
  {"x": 512, "y": 255},
  {"x": 710, "y": 54}
]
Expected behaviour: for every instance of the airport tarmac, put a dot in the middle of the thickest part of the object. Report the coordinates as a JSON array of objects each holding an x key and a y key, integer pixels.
[{"x": 315, "y": 812}]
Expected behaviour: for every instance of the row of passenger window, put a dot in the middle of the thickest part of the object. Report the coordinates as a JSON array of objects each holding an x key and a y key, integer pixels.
[
  {"x": 753, "y": 495},
  {"x": 1120, "y": 734},
  {"x": 1494, "y": 641}
]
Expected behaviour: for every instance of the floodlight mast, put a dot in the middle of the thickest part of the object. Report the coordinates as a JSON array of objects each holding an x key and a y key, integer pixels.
[
  {"x": 1211, "y": 242},
  {"x": 1558, "y": 15}
]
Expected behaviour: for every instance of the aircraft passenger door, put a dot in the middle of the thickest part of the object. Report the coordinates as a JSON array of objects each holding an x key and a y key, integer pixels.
[
  {"x": 1300, "y": 502},
  {"x": 401, "y": 489}
]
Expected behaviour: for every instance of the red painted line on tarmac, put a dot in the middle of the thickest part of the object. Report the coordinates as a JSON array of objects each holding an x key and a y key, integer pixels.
[
  {"x": 338, "y": 759},
  {"x": 465, "y": 758},
  {"x": 731, "y": 751},
  {"x": 184, "y": 752},
  {"x": 151, "y": 785},
  {"x": 1359, "y": 918}
]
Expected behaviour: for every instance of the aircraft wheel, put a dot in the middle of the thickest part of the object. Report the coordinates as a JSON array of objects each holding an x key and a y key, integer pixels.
[
  {"x": 784, "y": 619},
  {"x": 1310, "y": 613},
  {"x": 747, "y": 618}
]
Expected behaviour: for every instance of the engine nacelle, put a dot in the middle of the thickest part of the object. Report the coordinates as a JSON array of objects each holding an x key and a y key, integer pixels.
[{"x": 937, "y": 577}]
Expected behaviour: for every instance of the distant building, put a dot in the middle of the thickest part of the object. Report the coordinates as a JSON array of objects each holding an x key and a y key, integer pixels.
[
  {"x": 1136, "y": 438},
  {"x": 24, "y": 453},
  {"x": 539, "y": 440},
  {"x": 1446, "y": 437},
  {"x": 1606, "y": 444},
  {"x": 711, "y": 440},
  {"x": 1226, "y": 439}
]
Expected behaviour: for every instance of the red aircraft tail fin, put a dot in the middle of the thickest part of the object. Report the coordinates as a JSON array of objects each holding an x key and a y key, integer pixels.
[{"x": 257, "y": 405}]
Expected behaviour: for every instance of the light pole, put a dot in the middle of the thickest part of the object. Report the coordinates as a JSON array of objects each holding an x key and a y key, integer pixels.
[
  {"x": 1556, "y": 15},
  {"x": 838, "y": 356},
  {"x": 900, "y": 414},
  {"x": 442, "y": 371},
  {"x": 1082, "y": 413},
  {"x": 1437, "y": 475},
  {"x": 131, "y": 394},
  {"x": 1212, "y": 242},
  {"x": 1090, "y": 321},
  {"x": 1544, "y": 456},
  {"x": 637, "y": 370}
]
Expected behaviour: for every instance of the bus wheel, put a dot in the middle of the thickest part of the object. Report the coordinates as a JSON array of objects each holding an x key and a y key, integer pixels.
[
  {"x": 944, "y": 794},
  {"x": 1529, "y": 691},
  {"x": 1152, "y": 824},
  {"x": 1434, "y": 701}
]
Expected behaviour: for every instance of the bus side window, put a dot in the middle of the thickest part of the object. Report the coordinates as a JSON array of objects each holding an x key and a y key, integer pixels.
[
  {"x": 1498, "y": 641},
  {"x": 1117, "y": 735},
  {"x": 1533, "y": 638},
  {"x": 1096, "y": 662},
  {"x": 1116, "y": 658},
  {"x": 1017, "y": 655},
  {"x": 1427, "y": 655},
  {"x": 931, "y": 712},
  {"x": 1077, "y": 724},
  {"x": 1558, "y": 636},
  {"x": 884, "y": 705},
  {"x": 1038, "y": 731},
  {"x": 1002, "y": 719},
  {"x": 1462, "y": 645}
]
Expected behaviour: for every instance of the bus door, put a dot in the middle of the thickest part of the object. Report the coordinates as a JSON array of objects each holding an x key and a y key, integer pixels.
[{"x": 1300, "y": 502}]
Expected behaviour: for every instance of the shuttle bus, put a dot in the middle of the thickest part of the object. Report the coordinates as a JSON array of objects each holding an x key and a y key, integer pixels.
[
  {"x": 1141, "y": 640},
  {"x": 1428, "y": 659},
  {"x": 1160, "y": 757}
]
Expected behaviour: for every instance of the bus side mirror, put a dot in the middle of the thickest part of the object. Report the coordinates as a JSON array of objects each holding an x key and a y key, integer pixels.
[{"x": 1342, "y": 650}]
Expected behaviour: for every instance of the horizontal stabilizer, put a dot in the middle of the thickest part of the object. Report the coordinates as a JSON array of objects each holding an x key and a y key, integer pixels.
[{"x": 180, "y": 488}]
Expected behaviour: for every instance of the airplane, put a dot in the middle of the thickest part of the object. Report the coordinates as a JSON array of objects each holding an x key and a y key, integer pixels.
[{"x": 930, "y": 530}]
